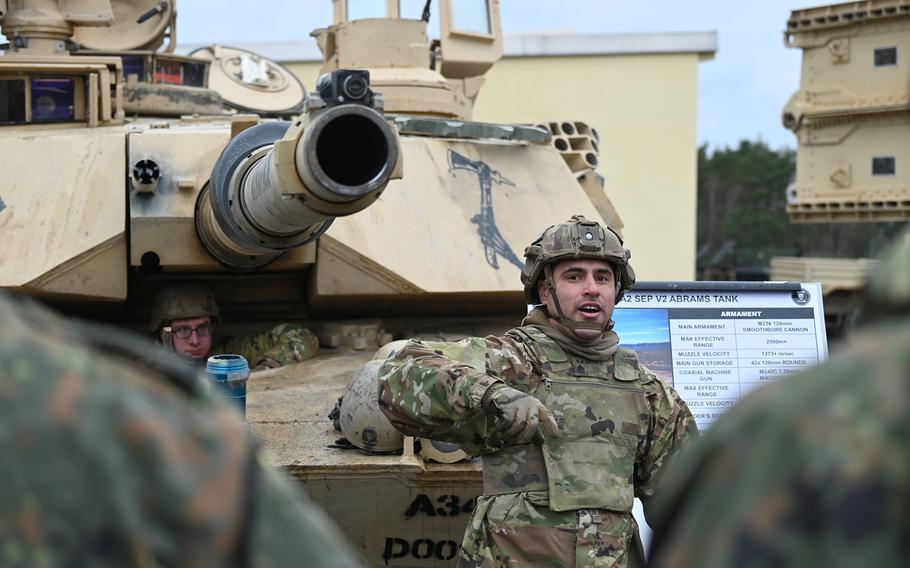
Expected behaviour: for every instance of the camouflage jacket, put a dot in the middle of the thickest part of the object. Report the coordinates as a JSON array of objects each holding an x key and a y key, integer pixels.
[
  {"x": 109, "y": 463},
  {"x": 285, "y": 344},
  {"x": 568, "y": 502},
  {"x": 811, "y": 471}
]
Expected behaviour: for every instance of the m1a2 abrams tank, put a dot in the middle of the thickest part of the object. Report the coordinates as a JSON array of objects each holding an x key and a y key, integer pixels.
[{"x": 126, "y": 167}]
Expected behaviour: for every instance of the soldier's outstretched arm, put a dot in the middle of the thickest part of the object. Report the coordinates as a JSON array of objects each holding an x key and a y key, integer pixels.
[
  {"x": 672, "y": 426},
  {"x": 436, "y": 389}
]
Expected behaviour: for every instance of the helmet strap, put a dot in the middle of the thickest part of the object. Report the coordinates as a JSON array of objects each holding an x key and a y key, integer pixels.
[
  {"x": 167, "y": 337},
  {"x": 574, "y": 326}
]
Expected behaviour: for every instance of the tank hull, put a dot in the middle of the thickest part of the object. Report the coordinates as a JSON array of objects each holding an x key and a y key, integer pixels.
[{"x": 395, "y": 510}]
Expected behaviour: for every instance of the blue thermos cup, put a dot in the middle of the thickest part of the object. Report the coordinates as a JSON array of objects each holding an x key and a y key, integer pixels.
[{"x": 230, "y": 373}]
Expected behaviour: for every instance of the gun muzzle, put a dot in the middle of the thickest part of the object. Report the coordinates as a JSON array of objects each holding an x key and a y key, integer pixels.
[{"x": 279, "y": 185}]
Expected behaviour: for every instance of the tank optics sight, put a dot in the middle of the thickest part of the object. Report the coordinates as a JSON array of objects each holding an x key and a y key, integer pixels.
[{"x": 345, "y": 86}]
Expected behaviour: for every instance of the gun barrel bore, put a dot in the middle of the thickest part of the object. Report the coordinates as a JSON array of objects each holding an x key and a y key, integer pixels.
[{"x": 342, "y": 161}]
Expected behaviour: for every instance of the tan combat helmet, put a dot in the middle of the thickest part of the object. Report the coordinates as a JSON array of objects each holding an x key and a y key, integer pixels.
[
  {"x": 361, "y": 421},
  {"x": 576, "y": 238},
  {"x": 183, "y": 302}
]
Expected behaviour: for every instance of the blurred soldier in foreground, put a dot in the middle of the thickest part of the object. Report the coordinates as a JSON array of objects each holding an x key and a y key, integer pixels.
[
  {"x": 571, "y": 428},
  {"x": 813, "y": 470},
  {"x": 108, "y": 463},
  {"x": 185, "y": 317}
]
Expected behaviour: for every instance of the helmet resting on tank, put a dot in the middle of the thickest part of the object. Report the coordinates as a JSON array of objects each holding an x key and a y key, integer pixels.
[
  {"x": 576, "y": 238},
  {"x": 183, "y": 302},
  {"x": 389, "y": 349},
  {"x": 362, "y": 422}
]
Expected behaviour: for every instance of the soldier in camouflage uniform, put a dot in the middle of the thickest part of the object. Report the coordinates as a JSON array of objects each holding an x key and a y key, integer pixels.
[
  {"x": 571, "y": 428},
  {"x": 110, "y": 464},
  {"x": 184, "y": 318},
  {"x": 810, "y": 471}
]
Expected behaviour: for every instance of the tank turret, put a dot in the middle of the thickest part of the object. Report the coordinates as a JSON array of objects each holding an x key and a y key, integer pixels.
[
  {"x": 415, "y": 75},
  {"x": 209, "y": 189}
]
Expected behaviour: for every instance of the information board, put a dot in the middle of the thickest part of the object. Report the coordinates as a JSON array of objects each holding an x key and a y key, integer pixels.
[{"x": 716, "y": 341}]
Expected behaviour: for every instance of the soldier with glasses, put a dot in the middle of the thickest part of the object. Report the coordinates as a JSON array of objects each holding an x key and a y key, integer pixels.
[{"x": 185, "y": 317}]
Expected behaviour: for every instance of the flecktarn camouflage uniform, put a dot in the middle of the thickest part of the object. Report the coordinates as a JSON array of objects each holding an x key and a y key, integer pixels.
[
  {"x": 812, "y": 471},
  {"x": 110, "y": 463},
  {"x": 568, "y": 501},
  {"x": 285, "y": 344}
]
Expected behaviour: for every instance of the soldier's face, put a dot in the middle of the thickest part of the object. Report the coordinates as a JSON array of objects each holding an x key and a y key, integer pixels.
[
  {"x": 586, "y": 290},
  {"x": 198, "y": 342}
]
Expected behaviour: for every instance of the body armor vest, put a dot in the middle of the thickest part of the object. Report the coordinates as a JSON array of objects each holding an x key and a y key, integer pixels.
[{"x": 603, "y": 417}]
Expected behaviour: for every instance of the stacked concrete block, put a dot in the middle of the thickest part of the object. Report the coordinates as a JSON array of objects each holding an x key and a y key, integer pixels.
[{"x": 579, "y": 145}]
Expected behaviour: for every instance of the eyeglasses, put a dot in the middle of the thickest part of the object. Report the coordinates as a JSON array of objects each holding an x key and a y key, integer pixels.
[{"x": 203, "y": 330}]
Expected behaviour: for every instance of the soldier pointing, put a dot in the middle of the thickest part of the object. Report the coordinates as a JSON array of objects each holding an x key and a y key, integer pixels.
[{"x": 571, "y": 428}]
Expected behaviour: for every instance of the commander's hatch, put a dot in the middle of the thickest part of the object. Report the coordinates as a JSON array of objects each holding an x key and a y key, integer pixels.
[
  {"x": 470, "y": 32},
  {"x": 470, "y": 37},
  {"x": 138, "y": 25},
  {"x": 416, "y": 76}
]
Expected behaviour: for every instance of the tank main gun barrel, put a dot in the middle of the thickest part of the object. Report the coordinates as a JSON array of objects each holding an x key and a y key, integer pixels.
[{"x": 279, "y": 185}]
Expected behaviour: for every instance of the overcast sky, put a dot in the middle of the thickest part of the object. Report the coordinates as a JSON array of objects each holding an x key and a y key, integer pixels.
[{"x": 741, "y": 91}]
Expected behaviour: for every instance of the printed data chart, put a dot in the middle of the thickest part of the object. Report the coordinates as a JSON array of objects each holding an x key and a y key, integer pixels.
[{"x": 715, "y": 344}]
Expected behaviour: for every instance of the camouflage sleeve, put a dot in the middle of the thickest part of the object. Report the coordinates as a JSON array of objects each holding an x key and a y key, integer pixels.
[
  {"x": 808, "y": 471},
  {"x": 113, "y": 463},
  {"x": 672, "y": 426},
  {"x": 434, "y": 389},
  {"x": 288, "y": 343},
  {"x": 283, "y": 345}
]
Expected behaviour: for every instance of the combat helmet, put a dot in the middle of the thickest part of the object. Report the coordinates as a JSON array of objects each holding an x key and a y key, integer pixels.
[
  {"x": 389, "y": 349},
  {"x": 183, "y": 302},
  {"x": 361, "y": 421},
  {"x": 576, "y": 238},
  {"x": 887, "y": 290}
]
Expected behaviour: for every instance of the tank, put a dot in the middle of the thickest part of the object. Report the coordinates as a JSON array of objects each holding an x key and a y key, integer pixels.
[
  {"x": 851, "y": 119},
  {"x": 370, "y": 208}
]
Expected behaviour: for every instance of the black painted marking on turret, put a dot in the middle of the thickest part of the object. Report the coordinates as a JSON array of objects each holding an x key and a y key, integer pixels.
[
  {"x": 494, "y": 244},
  {"x": 2, "y": 205}
]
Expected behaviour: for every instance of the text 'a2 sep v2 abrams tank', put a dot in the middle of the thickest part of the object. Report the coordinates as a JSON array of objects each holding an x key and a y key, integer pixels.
[{"x": 156, "y": 168}]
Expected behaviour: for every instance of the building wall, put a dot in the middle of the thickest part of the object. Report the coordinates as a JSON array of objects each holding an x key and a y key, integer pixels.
[
  {"x": 307, "y": 71},
  {"x": 644, "y": 108}
]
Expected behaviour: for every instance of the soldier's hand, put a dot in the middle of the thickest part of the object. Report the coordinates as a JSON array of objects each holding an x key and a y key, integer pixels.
[{"x": 520, "y": 414}]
